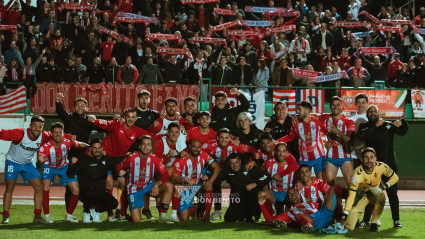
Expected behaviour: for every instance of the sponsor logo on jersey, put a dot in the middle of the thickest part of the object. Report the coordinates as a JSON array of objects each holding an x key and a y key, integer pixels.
[{"x": 28, "y": 148}]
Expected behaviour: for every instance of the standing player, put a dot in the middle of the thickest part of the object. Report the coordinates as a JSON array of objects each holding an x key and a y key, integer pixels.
[
  {"x": 357, "y": 145},
  {"x": 203, "y": 132},
  {"x": 119, "y": 138},
  {"x": 281, "y": 170},
  {"x": 54, "y": 155},
  {"x": 309, "y": 132},
  {"x": 170, "y": 146},
  {"x": 189, "y": 171},
  {"x": 339, "y": 130},
  {"x": 140, "y": 167},
  {"x": 25, "y": 143},
  {"x": 368, "y": 177},
  {"x": 160, "y": 125},
  {"x": 219, "y": 149}
]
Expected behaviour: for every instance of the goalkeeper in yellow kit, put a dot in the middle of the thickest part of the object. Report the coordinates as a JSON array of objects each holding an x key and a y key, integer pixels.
[{"x": 368, "y": 177}]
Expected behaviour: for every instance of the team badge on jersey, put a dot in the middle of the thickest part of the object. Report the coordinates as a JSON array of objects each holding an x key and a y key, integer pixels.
[{"x": 354, "y": 179}]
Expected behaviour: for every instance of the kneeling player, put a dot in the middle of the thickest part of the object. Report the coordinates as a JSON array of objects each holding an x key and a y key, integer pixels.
[
  {"x": 368, "y": 177},
  {"x": 189, "y": 171},
  {"x": 305, "y": 214},
  {"x": 54, "y": 155},
  {"x": 140, "y": 167},
  {"x": 281, "y": 170}
]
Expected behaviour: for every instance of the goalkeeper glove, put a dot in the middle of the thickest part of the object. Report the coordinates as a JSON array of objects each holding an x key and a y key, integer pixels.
[
  {"x": 385, "y": 186},
  {"x": 344, "y": 215},
  {"x": 376, "y": 190}
]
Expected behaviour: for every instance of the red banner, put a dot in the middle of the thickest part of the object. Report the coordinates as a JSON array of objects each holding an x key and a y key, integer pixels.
[
  {"x": 118, "y": 98},
  {"x": 391, "y": 103}
]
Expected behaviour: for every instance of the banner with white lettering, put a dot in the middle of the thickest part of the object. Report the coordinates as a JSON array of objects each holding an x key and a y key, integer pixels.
[{"x": 418, "y": 103}]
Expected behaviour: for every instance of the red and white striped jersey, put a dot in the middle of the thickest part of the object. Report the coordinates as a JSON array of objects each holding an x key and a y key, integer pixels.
[
  {"x": 339, "y": 149},
  {"x": 140, "y": 171},
  {"x": 309, "y": 139},
  {"x": 266, "y": 156},
  {"x": 220, "y": 154},
  {"x": 306, "y": 208},
  {"x": 316, "y": 192},
  {"x": 57, "y": 157},
  {"x": 272, "y": 167},
  {"x": 192, "y": 168}
]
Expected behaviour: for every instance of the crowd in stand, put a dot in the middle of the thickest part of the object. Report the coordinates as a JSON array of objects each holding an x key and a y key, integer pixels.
[{"x": 53, "y": 44}]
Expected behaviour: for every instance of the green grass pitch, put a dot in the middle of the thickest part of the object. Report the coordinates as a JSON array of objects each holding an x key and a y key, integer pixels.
[{"x": 21, "y": 227}]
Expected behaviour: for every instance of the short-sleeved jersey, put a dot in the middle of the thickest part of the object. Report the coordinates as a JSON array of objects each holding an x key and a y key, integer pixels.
[
  {"x": 316, "y": 192},
  {"x": 140, "y": 171},
  {"x": 309, "y": 139},
  {"x": 195, "y": 133},
  {"x": 266, "y": 156},
  {"x": 57, "y": 157},
  {"x": 192, "y": 168},
  {"x": 220, "y": 154},
  {"x": 339, "y": 149},
  {"x": 306, "y": 208},
  {"x": 272, "y": 167},
  {"x": 362, "y": 179}
]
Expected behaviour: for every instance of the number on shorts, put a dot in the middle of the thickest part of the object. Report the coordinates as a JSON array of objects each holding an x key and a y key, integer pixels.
[
  {"x": 46, "y": 170},
  {"x": 10, "y": 168},
  {"x": 131, "y": 198}
]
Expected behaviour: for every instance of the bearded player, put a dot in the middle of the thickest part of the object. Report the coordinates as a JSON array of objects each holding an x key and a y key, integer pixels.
[
  {"x": 120, "y": 137},
  {"x": 309, "y": 132},
  {"x": 54, "y": 156},
  {"x": 140, "y": 167},
  {"x": 189, "y": 171},
  {"x": 281, "y": 170},
  {"x": 25, "y": 143}
]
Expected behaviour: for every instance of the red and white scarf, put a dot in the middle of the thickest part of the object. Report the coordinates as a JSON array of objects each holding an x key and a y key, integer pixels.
[
  {"x": 390, "y": 29},
  {"x": 353, "y": 24},
  {"x": 263, "y": 9},
  {"x": 226, "y": 12},
  {"x": 326, "y": 78},
  {"x": 419, "y": 30},
  {"x": 225, "y": 26},
  {"x": 209, "y": 40},
  {"x": 280, "y": 29},
  {"x": 279, "y": 54},
  {"x": 115, "y": 35},
  {"x": 284, "y": 14},
  {"x": 245, "y": 33},
  {"x": 198, "y": 65},
  {"x": 303, "y": 45},
  {"x": 8, "y": 27},
  {"x": 304, "y": 73},
  {"x": 257, "y": 23},
  {"x": 358, "y": 73},
  {"x": 75, "y": 6},
  {"x": 377, "y": 50},
  {"x": 198, "y": 1},
  {"x": 174, "y": 51},
  {"x": 396, "y": 22},
  {"x": 164, "y": 37},
  {"x": 372, "y": 18}
]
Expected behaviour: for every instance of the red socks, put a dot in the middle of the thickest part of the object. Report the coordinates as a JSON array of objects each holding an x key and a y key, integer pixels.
[
  {"x": 176, "y": 202},
  {"x": 72, "y": 204},
  {"x": 46, "y": 201},
  {"x": 208, "y": 202},
  {"x": 6, "y": 213},
  {"x": 269, "y": 207},
  {"x": 37, "y": 212}
]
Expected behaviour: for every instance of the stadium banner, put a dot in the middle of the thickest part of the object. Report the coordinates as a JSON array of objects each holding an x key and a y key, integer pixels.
[
  {"x": 117, "y": 99},
  {"x": 286, "y": 96},
  {"x": 418, "y": 103},
  {"x": 257, "y": 103},
  {"x": 391, "y": 103}
]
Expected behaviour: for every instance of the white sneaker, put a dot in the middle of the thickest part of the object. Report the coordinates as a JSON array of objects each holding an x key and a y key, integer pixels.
[
  {"x": 96, "y": 217},
  {"x": 86, "y": 217},
  {"x": 216, "y": 216},
  {"x": 378, "y": 223},
  {"x": 174, "y": 218},
  {"x": 70, "y": 218},
  {"x": 112, "y": 219},
  {"x": 48, "y": 219}
]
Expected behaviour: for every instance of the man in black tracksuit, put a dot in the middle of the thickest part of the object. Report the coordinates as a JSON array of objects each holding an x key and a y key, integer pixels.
[
  {"x": 50, "y": 72},
  {"x": 379, "y": 135},
  {"x": 245, "y": 186},
  {"x": 92, "y": 172},
  {"x": 69, "y": 72},
  {"x": 224, "y": 116}
]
